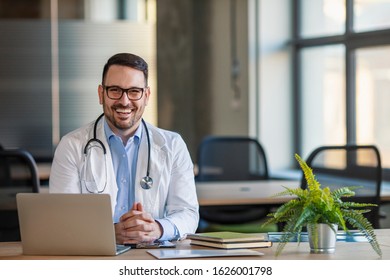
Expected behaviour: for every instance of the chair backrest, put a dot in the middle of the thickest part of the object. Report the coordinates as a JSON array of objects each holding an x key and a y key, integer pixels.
[
  {"x": 18, "y": 168},
  {"x": 18, "y": 173},
  {"x": 4, "y": 171},
  {"x": 350, "y": 165},
  {"x": 224, "y": 158},
  {"x": 231, "y": 159}
]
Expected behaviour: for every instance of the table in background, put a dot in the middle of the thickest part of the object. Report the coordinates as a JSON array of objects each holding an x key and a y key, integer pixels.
[
  {"x": 44, "y": 169},
  {"x": 251, "y": 192},
  {"x": 243, "y": 192}
]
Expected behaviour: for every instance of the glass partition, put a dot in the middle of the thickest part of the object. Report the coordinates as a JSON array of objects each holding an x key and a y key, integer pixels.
[{"x": 52, "y": 54}]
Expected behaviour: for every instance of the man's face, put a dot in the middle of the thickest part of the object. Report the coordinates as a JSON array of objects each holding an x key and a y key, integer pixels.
[{"x": 123, "y": 115}]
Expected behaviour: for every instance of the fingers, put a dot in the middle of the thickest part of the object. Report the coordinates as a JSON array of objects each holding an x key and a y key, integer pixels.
[
  {"x": 144, "y": 233},
  {"x": 138, "y": 206},
  {"x": 133, "y": 218},
  {"x": 120, "y": 239},
  {"x": 137, "y": 226},
  {"x": 137, "y": 210}
]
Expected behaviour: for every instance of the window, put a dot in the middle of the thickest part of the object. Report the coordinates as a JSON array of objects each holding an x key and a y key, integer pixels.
[
  {"x": 342, "y": 65},
  {"x": 323, "y": 98},
  {"x": 371, "y": 15},
  {"x": 322, "y": 18},
  {"x": 373, "y": 99}
]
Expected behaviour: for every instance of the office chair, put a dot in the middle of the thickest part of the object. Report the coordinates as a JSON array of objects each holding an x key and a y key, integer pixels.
[
  {"x": 4, "y": 171},
  {"x": 350, "y": 165},
  {"x": 18, "y": 173},
  {"x": 231, "y": 159}
]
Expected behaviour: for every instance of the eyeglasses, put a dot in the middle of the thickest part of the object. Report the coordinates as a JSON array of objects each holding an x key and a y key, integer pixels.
[{"x": 116, "y": 93}]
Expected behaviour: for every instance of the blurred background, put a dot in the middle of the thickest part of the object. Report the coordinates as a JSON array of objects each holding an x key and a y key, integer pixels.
[{"x": 294, "y": 74}]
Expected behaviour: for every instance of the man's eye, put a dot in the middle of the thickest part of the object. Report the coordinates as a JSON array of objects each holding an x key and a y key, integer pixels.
[
  {"x": 114, "y": 90},
  {"x": 135, "y": 91}
]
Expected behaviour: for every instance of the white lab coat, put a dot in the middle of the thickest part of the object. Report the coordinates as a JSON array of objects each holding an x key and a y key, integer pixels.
[{"x": 173, "y": 195}]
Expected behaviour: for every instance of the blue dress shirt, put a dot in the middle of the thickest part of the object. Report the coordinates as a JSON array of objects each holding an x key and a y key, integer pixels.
[{"x": 124, "y": 159}]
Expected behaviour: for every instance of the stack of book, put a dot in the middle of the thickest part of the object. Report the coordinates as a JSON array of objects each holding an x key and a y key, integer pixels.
[{"x": 230, "y": 240}]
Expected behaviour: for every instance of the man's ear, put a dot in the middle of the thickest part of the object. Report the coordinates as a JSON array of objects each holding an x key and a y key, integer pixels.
[
  {"x": 100, "y": 93},
  {"x": 147, "y": 94}
]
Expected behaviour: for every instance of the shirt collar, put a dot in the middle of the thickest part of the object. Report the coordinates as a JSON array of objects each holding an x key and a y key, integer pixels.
[{"x": 109, "y": 133}]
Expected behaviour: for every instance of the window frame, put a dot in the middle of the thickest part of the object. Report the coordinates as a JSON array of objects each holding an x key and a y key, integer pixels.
[{"x": 352, "y": 41}]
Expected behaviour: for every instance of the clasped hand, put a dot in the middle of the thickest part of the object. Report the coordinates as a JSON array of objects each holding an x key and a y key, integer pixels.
[{"x": 137, "y": 226}]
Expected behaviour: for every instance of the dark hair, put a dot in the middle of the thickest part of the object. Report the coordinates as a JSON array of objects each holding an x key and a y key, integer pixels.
[{"x": 127, "y": 59}]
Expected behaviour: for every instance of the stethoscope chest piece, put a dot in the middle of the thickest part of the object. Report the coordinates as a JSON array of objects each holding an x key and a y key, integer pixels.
[{"x": 146, "y": 183}]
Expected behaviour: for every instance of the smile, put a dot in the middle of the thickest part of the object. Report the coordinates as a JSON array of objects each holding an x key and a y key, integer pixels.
[{"x": 123, "y": 111}]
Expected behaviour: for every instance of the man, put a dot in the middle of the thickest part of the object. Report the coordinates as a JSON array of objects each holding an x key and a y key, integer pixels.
[{"x": 143, "y": 212}]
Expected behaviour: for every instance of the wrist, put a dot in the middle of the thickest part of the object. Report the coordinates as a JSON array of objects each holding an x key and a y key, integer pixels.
[{"x": 159, "y": 230}]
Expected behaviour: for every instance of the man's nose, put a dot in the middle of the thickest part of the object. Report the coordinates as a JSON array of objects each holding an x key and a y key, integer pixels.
[{"x": 125, "y": 99}]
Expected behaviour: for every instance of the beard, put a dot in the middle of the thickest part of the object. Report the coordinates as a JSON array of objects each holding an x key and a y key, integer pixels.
[{"x": 125, "y": 122}]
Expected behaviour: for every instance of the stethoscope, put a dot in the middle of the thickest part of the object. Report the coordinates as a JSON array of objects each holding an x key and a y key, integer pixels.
[{"x": 146, "y": 182}]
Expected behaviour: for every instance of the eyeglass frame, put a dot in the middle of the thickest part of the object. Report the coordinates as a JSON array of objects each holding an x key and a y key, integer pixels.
[{"x": 106, "y": 88}]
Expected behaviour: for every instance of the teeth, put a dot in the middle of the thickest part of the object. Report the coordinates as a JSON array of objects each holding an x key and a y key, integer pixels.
[{"x": 127, "y": 111}]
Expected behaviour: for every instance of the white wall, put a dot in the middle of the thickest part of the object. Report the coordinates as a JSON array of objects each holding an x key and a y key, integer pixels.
[
  {"x": 228, "y": 114},
  {"x": 271, "y": 100}
]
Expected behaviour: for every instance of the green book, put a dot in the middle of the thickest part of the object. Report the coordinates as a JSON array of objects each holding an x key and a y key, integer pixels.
[
  {"x": 233, "y": 245},
  {"x": 228, "y": 236}
]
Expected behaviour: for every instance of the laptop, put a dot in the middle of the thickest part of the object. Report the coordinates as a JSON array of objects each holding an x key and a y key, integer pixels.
[{"x": 67, "y": 224}]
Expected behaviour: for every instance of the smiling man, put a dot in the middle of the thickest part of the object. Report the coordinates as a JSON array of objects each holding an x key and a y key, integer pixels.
[{"x": 146, "y": 170}]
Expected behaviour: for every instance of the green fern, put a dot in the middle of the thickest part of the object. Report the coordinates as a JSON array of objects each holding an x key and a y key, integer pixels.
[
  {"x": 320, "y": 205},
  {"x": 312, "y": 183}
]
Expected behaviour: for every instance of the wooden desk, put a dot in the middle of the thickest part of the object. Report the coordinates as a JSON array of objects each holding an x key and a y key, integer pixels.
[
  {"x": 292, "y": 251},
  {"x": 251, "y": 192}
]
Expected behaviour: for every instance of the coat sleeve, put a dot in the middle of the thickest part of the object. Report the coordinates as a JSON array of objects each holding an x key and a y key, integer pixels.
[{"x": 182, "y": 207}]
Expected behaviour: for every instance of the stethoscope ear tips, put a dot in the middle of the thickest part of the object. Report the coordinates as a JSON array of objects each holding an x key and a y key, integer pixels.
[{"x": 146, "y": 183}]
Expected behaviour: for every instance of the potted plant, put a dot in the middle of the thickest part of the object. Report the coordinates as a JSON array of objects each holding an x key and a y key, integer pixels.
[{"x": 316, "y": 208}]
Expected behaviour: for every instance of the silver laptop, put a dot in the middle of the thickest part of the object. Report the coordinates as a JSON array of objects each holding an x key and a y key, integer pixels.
[{"x": 67, "y": 224}]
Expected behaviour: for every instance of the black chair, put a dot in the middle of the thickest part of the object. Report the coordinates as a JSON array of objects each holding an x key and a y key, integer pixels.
[
  {"x": 18, "y": 173},
  {"x": 350, "y": 165},
  {"x": 231, "y": 159}
]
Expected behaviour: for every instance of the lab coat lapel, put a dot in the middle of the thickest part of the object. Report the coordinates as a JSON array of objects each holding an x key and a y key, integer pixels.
[
  {"x": 149, "y": 198},
  {"x": 112, "y": 187}
]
